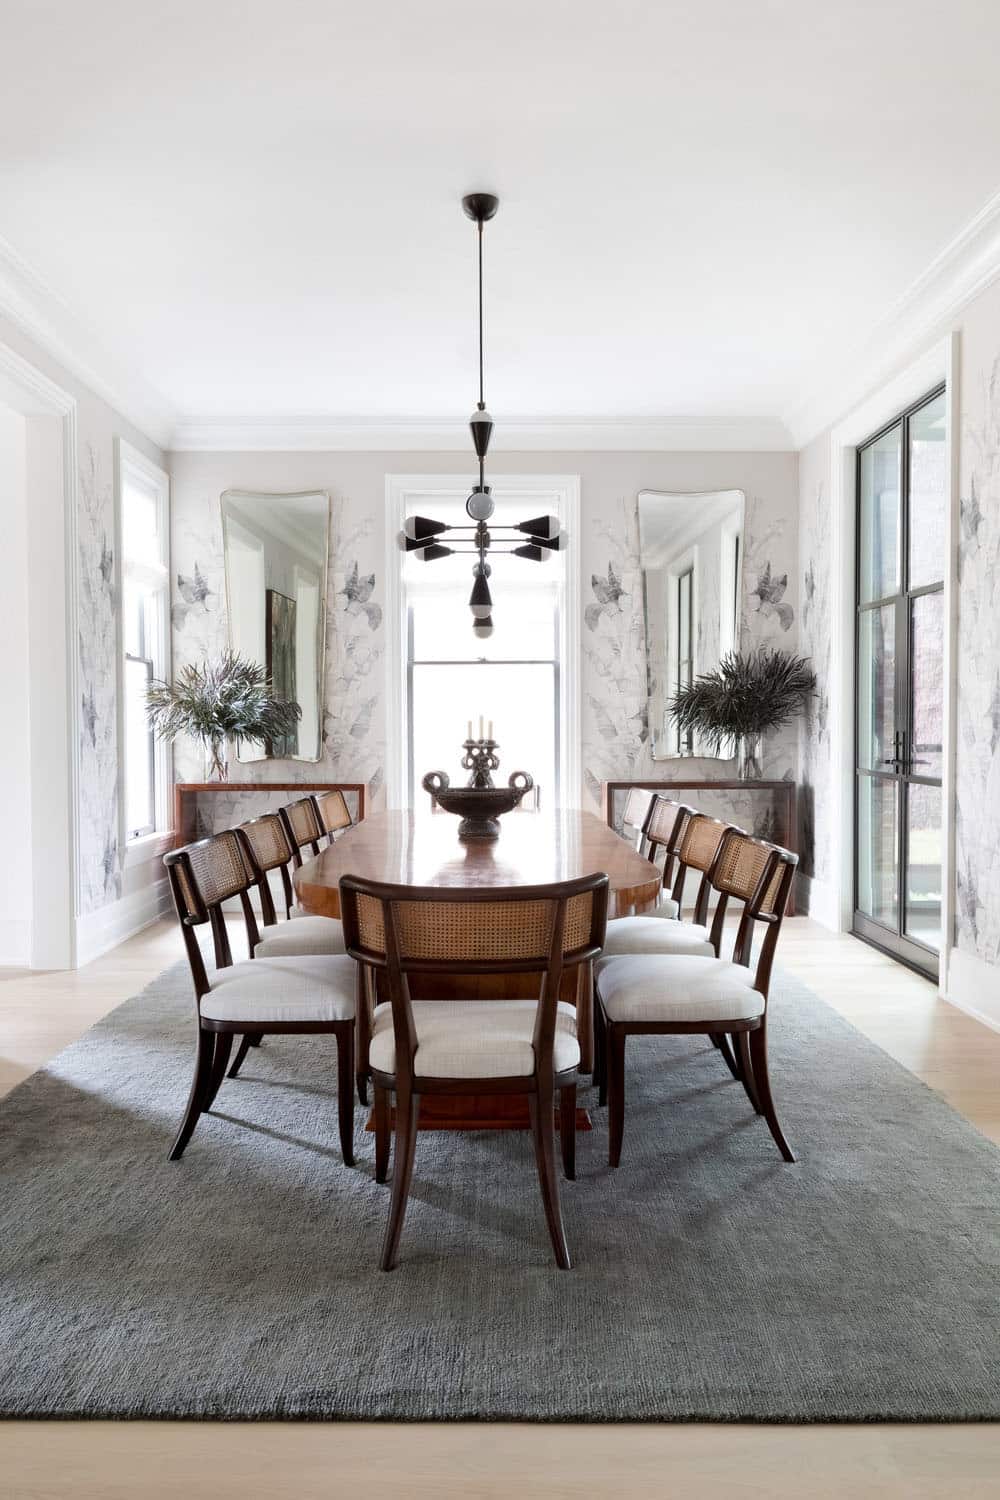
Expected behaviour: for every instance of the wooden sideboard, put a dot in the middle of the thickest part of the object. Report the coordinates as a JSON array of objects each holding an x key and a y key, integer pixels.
[
  {"x": 186, "y": 794},
  {"x": 765, "y": 808}
]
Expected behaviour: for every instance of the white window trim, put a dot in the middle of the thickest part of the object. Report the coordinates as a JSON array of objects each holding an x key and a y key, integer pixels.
[
  {"x": 129, "y": 460},
  {"x": 539, "y": 494}
]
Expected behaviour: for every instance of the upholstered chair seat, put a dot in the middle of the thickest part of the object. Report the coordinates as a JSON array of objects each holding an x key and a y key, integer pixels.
[
  {"x": 312, "y": 988},
  {"x": 649, "y": 934},
  {"x": 303, "y": 936},
  {"x": 474, "y": 1039},
  {"x": 646, "y": 987}
]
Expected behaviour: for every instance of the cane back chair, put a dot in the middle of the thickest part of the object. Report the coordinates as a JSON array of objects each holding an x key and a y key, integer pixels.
[
  {"x": 333, "y": 813},
  {"x": 693, "y": 842},
  {"x": 527, "y": 1047},
  {"x": 662, "y": 994},
  {"x": 312, "y": 993}
]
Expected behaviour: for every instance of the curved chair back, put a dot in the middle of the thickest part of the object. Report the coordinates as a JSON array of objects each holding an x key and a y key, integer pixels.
[
  {"x": 759, "y": 875},
  {"x": 202, "y": 876},
  {"x": 541, "y": 929},
  {"x": 333, "y": 812},
  {"x": 638, "y": 803},
  {"x": 698, "y": 849},
  {"x": 303, "y": 827},
  {"x": 269, "y": 848},
  {"x": 663, "y": 833}
]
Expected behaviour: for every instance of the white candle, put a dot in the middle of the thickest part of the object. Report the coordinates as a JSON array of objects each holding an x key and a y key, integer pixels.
[
  {"x": 489, "y": 732},
  {"x": 469, "y": 735},
  {"x": 480, "y": 726}
]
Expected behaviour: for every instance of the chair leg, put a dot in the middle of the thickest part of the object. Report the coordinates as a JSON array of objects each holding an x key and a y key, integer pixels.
[
  {"x": 616, "y": 1092},
  {"x": 199, "y": 1090},
  {"x": 383, "y": 1137},
  {"x": 541, "y": 1107},
  {"x": 255, "y": 1038},
  {"x": 220, "y": 1061},
  {"x": 567, "y": 1130},
  {"x": 407, "y": 1111},
  {"x": 601, "y": 1053},
  {"x": 721, "y": 1040},
  {"x": 345, "y": 1091},
  {"x": 742, "y": 1040},
  {"x": 758, "y": 1060},
  {"x": 246, "y": 1042},
  {"x": 362, "y": 1086}
]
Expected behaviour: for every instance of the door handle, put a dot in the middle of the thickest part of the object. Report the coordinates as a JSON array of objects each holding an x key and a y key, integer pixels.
[{"x": 897, "y": 757}]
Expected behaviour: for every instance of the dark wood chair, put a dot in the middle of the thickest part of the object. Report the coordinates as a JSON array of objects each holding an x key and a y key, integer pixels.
[
  {"x": 645, "y": 994},
  {"x": 527, "y": 1047},
  {"x": 691, "y": 841},
  {"x": 333, "y": 813},
  {"x": 306, "y": 994},
  {"x": 303, "y": 826},
  {"x": 638, "y": 804},
  {"x": 267, "y": 849}
]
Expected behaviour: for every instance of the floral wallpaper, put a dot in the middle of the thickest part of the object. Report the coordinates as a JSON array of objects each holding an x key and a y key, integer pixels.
[
  {"x": 815, "y": 628},
  {"x": 977, "y": 760},
  {"x": 615, "y": 729},
  {"x": 100, "y": 856}
]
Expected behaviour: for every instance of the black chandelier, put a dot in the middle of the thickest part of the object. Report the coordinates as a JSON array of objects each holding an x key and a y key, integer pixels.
[{"x": 535, "y": 539}]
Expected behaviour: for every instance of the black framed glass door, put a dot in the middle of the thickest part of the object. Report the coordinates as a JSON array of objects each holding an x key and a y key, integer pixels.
[{"x": 902, "y": 488}]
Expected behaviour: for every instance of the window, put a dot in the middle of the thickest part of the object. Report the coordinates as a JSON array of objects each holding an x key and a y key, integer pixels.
[
  {"x": 516, "y": 678},
  {"x": 143, "y": 531}
]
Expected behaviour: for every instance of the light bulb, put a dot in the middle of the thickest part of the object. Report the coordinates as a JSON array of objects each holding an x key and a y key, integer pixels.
[
  {"x": 483, "y": 628},
  {"x": 480, "y": 504}
]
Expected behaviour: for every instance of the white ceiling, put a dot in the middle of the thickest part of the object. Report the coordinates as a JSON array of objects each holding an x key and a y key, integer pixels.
[{"x": 256, "y": 205}]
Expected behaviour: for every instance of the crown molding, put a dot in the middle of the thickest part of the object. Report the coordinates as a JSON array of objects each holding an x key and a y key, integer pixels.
[
  {"x": 966, "y": 266},
  {"x": 36, "y": 311},
  {"x": 319, "y": 433}
]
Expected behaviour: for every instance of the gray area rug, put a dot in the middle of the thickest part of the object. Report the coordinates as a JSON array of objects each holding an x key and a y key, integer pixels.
[{"x": 711, "y": 1282}]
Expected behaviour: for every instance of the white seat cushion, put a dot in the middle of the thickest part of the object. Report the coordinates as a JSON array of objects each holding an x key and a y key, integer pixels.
[
  {"x": 650, "y": 987},
  {"x": 305, "y": 935},
  {"x": 313, "y": 988},
  {"x": 474, "y": 1038},
  {"x": 651, "y": 934}
]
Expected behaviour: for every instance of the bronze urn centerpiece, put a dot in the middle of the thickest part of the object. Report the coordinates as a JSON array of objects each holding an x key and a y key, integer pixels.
[{"x": 479, "y": 803}]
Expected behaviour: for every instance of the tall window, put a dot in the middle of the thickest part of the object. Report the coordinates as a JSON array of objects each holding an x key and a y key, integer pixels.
[
  {"x": 143, "y": 510},
  {"x": 516, "y": 678}
]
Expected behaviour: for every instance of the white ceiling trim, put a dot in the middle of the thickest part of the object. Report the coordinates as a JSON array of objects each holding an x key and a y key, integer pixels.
[
  {"x": 316, "y": 433},
  {"x": 39, "y": 313},
  {"x": 964, "y": 269}
]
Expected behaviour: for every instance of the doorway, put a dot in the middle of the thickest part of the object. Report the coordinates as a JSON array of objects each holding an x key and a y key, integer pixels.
[{"x": 902, "y": 520}]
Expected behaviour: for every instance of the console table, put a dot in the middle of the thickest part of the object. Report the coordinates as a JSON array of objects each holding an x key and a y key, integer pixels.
[
  {"x": 186, "y": 794},
  {"x": 767, "y": 809}
]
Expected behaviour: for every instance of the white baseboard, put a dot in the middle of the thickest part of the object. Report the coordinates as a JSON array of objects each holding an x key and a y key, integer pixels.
[
  {"x": 818, "y": 900},
  {"x": 101, "y": 930},
  {"x": 15, "y": 942},
  {"x": 974, "y": 987}
]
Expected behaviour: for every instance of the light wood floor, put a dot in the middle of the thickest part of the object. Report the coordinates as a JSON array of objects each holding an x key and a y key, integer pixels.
[{"x": 41, "y": 1013}]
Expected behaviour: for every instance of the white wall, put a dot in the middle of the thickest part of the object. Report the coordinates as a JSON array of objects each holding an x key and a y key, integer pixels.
[{"x": 15, "y": 740}]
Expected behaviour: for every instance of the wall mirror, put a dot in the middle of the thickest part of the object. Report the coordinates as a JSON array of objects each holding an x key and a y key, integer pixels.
[
  {"x": 691, "y": 555},
  {"x": 276, "y": 555}
]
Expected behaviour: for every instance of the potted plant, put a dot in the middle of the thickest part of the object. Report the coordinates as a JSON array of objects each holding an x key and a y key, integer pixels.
[
  {"x": 748, "y": 694},
  {"x": 230, "y": 699}
]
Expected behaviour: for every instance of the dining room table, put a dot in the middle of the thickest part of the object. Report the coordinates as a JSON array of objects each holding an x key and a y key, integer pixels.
[{"x": 535, "y": 847}]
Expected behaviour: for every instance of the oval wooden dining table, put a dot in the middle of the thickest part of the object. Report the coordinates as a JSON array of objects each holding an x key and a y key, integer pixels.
[{"x": 534, "y": 848}]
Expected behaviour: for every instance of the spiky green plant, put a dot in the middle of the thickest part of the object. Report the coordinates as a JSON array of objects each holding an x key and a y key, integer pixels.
[
  {"x": 748, "y": 693},
  {"x": 227, "y": 699}
]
